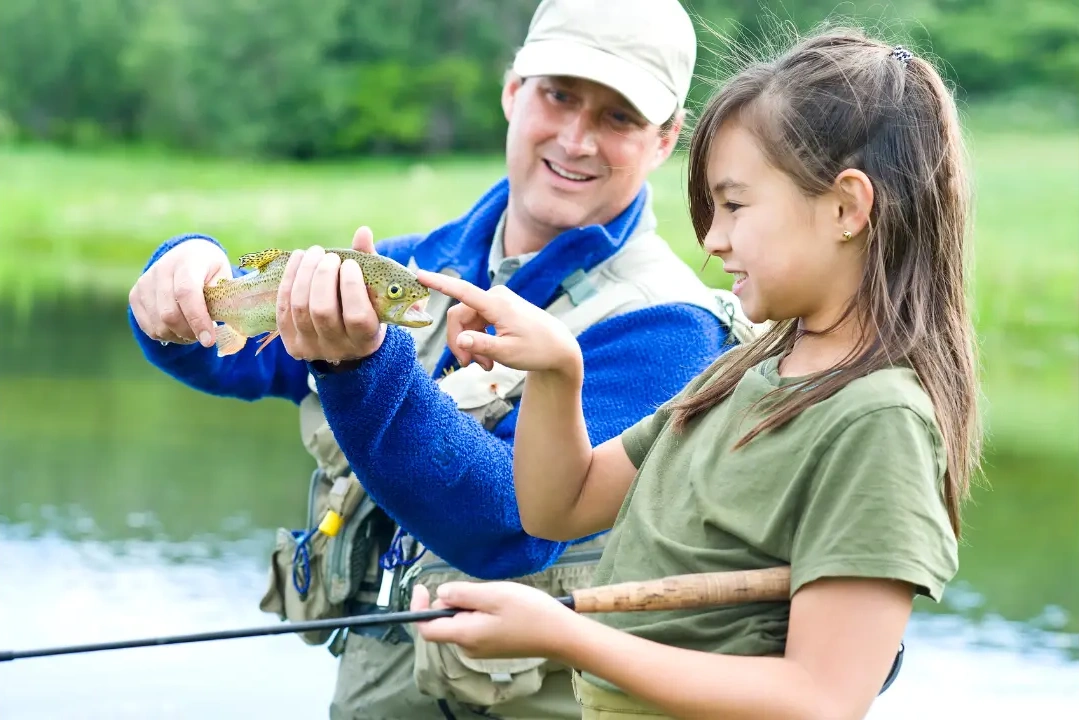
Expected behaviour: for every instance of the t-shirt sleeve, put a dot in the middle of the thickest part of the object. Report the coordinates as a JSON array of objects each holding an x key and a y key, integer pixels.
[
  {"x": 638, "y": 438},
  {"x": 875, "y": 507}
]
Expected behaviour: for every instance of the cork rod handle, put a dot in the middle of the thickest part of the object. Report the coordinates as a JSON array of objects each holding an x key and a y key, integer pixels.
[{"x": 680, "y": 592}]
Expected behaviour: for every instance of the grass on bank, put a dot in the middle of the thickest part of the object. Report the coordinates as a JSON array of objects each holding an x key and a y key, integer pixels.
[{"x": 75, "y": 222}]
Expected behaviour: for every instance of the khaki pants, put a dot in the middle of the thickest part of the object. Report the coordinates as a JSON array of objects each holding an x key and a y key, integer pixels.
[
  {"x": 598, "y": 703},
  {"x": 375, "y": 682}
]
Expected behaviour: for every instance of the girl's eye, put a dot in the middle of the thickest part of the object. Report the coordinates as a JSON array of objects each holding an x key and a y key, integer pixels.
[{"x": 731, "y": 207}]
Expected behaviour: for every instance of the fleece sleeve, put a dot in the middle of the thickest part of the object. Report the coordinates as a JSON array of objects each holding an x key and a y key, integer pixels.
[
  {"x": 272, "y": 373},
  {"x": 449, "y": 482}
]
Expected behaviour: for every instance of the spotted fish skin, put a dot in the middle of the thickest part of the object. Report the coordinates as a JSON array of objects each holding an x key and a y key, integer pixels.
[{"x": 247, "y": 305}]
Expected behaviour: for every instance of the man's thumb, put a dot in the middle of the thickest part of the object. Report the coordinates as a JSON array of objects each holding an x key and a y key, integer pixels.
[{"x": 364, "y": 240}]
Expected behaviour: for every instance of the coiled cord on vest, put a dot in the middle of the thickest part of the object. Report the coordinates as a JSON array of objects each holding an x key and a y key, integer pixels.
[
  {"x": 395, "y": 556},
  {"x": 301, "y": 562}
]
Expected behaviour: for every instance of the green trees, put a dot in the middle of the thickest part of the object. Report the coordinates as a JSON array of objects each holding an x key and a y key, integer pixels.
[{"x": 324, "y": 78}]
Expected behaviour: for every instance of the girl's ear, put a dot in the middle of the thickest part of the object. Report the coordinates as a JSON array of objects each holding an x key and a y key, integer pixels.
[{"x": 854, "y": 193}]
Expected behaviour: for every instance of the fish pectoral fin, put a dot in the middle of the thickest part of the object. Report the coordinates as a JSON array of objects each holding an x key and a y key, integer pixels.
[
  {"x": 229, "y": 341},
  {"x": 259, "y": 260},
  {"x": 266, "y": 341}
]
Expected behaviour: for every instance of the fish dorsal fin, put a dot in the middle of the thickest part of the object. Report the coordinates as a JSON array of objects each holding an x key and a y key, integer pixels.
[{"x": 259, "y": 260}]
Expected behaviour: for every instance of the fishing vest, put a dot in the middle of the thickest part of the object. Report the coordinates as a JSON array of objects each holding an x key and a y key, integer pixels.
[{"x": 347, "y": 577}]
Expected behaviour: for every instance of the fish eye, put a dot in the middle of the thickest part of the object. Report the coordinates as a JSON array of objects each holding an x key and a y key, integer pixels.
[{"x": 394, "y": 291}]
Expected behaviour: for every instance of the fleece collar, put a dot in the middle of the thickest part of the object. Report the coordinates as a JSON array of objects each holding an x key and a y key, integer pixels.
[{"x": 464, "y": 245}]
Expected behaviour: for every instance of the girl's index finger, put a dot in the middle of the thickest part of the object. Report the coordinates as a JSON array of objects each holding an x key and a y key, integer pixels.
[{"x": 461, "y": 290}]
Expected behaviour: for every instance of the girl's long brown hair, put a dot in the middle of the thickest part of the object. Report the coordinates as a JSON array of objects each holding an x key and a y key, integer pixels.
[{"x": 839, "y": 100}]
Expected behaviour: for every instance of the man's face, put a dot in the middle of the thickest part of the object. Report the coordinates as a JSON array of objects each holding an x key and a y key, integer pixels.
[{"x": 577, "y": 152}]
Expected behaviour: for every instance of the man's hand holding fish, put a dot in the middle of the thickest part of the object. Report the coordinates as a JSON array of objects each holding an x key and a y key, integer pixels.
[
  {"x": 167, "y": 300},
  {"x": 324, "y": 309}
]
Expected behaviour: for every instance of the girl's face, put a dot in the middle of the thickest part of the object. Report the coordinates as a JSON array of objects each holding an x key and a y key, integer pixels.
[{"x": 786, "y": 251}]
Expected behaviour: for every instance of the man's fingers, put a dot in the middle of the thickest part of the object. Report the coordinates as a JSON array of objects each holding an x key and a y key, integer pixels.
[
  {"x": 137, "y": 309},
  {"x": 361, "y": 321},
  {"x": 301, "y": 291},
  {"x": 188, "y": 291},
  {"x": 172, "y": 326},
  {"x": 325, "y": 308},
  {"x": 285, "y": 326},
  {"x": 463, "y": 291},
  {"x": 153, "y": 326},
  {"x": 364, "y": 240}
]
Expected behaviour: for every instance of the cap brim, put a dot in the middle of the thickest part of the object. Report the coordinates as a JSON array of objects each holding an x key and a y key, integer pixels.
[{"x": 646, "y": 93}]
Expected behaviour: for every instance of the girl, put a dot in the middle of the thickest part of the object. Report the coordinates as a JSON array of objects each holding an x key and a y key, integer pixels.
[{"x": 831, "y": 183}]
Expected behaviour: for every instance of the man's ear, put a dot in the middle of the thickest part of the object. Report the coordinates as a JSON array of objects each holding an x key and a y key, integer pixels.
[
  {"x": 669, "y": 133},
  {"x": 510, "y": 87}
]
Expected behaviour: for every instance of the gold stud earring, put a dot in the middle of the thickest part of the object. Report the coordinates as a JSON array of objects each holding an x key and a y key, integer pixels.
[{"x": 846, "y": 235}]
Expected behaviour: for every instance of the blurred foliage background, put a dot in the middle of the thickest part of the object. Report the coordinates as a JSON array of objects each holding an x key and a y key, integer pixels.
[
  {"x": 292, "y": 122},
  {"x": 336, "y": 78}
]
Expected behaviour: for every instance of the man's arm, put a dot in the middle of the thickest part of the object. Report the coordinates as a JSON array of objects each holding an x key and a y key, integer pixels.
[
  {"x": 448, "y": 481},
  {"x": 273, "y": 373},
  {"x": 244, "y": 375}
]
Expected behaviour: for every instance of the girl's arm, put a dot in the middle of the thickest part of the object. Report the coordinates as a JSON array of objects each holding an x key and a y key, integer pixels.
[
  {"x": 842, "y": 639},
  {"x": 564, "y": 489}
]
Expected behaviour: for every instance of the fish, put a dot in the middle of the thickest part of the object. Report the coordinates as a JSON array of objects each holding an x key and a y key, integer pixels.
[{"x": 246, "y": 306}]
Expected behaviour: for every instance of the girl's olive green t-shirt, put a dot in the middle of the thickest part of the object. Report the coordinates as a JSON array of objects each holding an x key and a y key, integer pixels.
[{"x": 852, "y": 486}]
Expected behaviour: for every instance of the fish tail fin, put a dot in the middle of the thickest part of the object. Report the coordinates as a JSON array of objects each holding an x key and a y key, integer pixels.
[
  {"x": 229, "y": 341},
  {"x": 266, "y": 341}
]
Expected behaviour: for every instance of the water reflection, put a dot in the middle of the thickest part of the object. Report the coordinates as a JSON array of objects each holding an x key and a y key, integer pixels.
[{"x": 131, "y": 506}]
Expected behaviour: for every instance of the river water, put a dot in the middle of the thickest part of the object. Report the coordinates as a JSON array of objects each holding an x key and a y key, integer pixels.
[{"x": 131, "y": 507}]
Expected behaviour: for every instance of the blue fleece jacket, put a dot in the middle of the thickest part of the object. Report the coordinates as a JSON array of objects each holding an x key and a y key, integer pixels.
[{"x": 434, "y": 469}]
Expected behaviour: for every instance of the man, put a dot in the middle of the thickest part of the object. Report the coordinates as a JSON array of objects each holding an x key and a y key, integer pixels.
[{"x": 594, "y": 103}]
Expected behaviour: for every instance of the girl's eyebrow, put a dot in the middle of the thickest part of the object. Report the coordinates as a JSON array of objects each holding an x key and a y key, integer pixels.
[{"x": 729, "y": 185}]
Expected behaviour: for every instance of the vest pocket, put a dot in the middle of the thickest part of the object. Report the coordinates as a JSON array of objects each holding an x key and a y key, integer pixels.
[
  {"x": 443, "y": 670},
  {"x": 315, "y": 573}
]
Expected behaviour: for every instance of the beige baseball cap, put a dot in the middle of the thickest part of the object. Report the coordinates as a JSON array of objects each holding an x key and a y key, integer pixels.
[{"x": 644, "y": 49}]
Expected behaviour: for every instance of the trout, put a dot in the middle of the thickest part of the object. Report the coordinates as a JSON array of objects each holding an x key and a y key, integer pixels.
[{"x": 247, "y": 305}]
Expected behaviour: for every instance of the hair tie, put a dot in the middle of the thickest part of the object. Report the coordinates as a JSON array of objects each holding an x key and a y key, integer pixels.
[{"x": 901, "y": 54}]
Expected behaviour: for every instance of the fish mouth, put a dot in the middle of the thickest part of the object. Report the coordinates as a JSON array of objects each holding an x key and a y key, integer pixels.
[{"x": 415, "y": 315}]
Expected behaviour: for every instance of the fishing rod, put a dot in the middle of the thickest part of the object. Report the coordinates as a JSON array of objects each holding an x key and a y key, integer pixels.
[{"x": 677, "y": 592}]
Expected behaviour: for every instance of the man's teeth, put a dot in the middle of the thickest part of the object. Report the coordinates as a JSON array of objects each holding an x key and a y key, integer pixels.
[{"x": 566, "y": 173}]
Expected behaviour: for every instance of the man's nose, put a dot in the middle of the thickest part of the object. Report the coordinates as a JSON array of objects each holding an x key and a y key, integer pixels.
[{"x": 578, "y": 136}]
